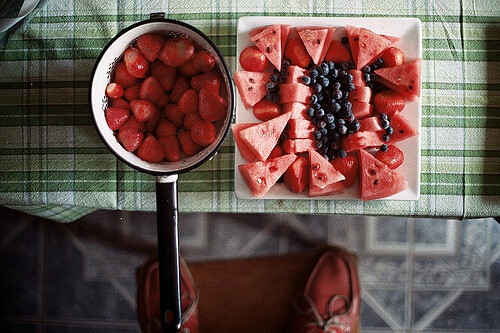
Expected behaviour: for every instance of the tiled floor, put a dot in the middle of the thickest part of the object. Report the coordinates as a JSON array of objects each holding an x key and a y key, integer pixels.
[{"x": 417, "y": 275}]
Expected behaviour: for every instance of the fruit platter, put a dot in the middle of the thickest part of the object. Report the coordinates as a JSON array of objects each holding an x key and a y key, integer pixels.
[{"x": 328, "y": 108}]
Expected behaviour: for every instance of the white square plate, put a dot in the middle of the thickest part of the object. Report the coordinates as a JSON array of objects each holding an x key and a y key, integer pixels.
[{"x": 409, "y": 30}]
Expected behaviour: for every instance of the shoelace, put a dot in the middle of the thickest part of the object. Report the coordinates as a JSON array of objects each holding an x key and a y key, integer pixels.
[{"x": 335, "y": 321}]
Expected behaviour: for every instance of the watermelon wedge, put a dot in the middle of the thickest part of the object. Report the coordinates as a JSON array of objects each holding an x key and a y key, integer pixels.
[
  {"x": 353, "y": 38},
  {"x": 323, "y": 178},
  {"x": 370, "y": 46},
  {"x": 361, "y": 109},
  {"x": 269, "y": 42},
  {"x": 402, "y": 128},
  {"x": 297, "y": 110},
  {"x": 295, "y": 74},
  {"x": 285, "y": 31},
  {"x": 362, "y": 140},
  {"x": 260, "y": 176},
  {"x": 295, "y": 92},
  {"x": 361, "y": 94},
  {"x": 251, "y": 86},
  {"x": 245, "y": 152},
  {"x": 262, "y": 138},
  {"x": 404, "y": 79},
  {"x": 370, "y": 124},
  {"x": 376, "y": 179},
  {"x": 314, "y": 40},
  {"x": 328, "y": 41},
  {"x": 337, "y": 52},
  {"x": 297, "y": 145},
  {"x": 357, "y": 78},
  {"x": 301, "y": 129}
]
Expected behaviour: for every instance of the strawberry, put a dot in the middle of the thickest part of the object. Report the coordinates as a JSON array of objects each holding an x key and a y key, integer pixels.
[
  {"x": 163, "y": 101},
  {"x": 188, "y": 69},
  {"x": 266, "y": 110},
  {"x": 176, "y": 51},
  {"x": 115, "y": 117},
  {"x": 171, "y": 148},
  {"x": 165, "y": 75},
  {"x": 388, "y": 102},
  {"x": 390, "y": 155},
  {"x": 188, "y": 103},
  {"x": 153, "y": 122},
  {"x": 120, "y": 103},
  {"x": 132, "y": 92},
  {"x": 212, "y": 107},
  {"x": 296, "y": 52},
  {"x": 253, "y": 60},
  {"x": 151, "y": 90},
  {"x": 276, "y": 152},
  {"x": 190, "y": 119},
  {"x": 203, "y": 133},
  {"x": 188, "y": 146},
  {"x": 137, "y": 65},
  {"x": 181, "y": 86},
  {"x": 122, "y": 77},
  {"x": 142, "y": 110},
  {"x": 203, "y": 61},
  {"x": 337, "y": 52},
  {"x": 296, "y": 177},
  {"x": 165, "y": 128},
  {"x": 114, "y": 90},
  {"x": 150, "y": 150},
  {"x": 393, "y": 57},
  {"x": 209, "y": 80},
  {"x": 132, "y": 123},
  {"x": 174, "y": 115},
  {"x": 348, "y": 167},
  {"x": 150, "y": 46},
  {"x": 130, "y": 139}
]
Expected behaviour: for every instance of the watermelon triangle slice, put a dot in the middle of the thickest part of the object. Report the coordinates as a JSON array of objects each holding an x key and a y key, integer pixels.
[
  {"x": 324, "y": 179},
  {"x": 245, "y": 152},
  {"x": 404, "y": 79},
  {"x": 262, "y": 138},
  {"x": 370, "y": 46},
  {"x": 261, "y": 176},
  {"x": 402, "y": 128},
  {"x": 269, "y": 42},
  {"x": 251, "y": 86},
  {"x": 314, "y": 40},
  {"x": 353, "y": 38},
  {"x": 377, "y": 181}
]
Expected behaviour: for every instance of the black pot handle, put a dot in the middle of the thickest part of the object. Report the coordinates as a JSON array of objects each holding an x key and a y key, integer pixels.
[{"x": 168, "y": 253}]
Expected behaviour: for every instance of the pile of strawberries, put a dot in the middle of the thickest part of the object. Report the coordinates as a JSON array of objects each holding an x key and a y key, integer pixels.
[{"x": 165, "y": 98}]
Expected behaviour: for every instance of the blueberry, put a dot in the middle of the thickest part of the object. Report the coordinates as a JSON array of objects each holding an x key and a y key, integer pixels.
[
  {"x": 379, "y": 61},
  {"x": 331, "y": 65},
  {"x": 318, "y": 135},
  {"x": 310, "y": 112},
  {"x": 324, "y": 68},
  {"x": 351, "y": 86},
  {"x": 270, "y": 86},
  {"x": 314, "y": 72},
  {"x": 337, "y": 85},
  {"x": 341, "y": 153},
  {"x": 384, "y": 148},
  {"x": 325, "y": 82},
  {"x": 319, "y": 113},
  {"x": 320, "y": 97},
  {"x": 321, "y": 124},
  {"x": 346, "y": 112},
  {"x": 384, "y": 124},
  {"x": 343, "y": 130},
  {"x": 351, "y": 65},
  {"x": 335, "y": 137},
  {"x": 314, "y": 99},
  {"x": 276, "y": 98},
  {"x": 317, "y": 106},
  {"x": 354, "y": 126},
  {"x": 389, "y": 130},
  {"x": 374, "y": 67},
  {"x": 331, "y": 154},
  {"x": 335, "y": 144},
  {"x": 318, "y": 143},
  {"x": 317, "y": 88},
  {"x": 286, "y": 62},
  {"x": 324, "y": 149},
  {"x": 344, "y": 65},
  {"x": 340, "y": 122},
  {"x": 274, "y": 77},
  {"x": 269, "y": 96},
  {"x": 342, "y": 74},
  {"x": 367, "y": 69},
  {"x": 329, "y": 118},
  {"x": 330, "y": 126},
  {"x": 383, "y": 116},
  {"x": 305, "y": 80},
  {"x": 337, "y": 94},
  {"x": 336, "y": 107},
  {"x": 347, "y": 104},
  {"x": 386, "y": 137},
  {"x": 367, "y": 77},
  {"x": 323, "y": 131},
  {"x": 349, "y": 77},
  {"x": 345, "y": 94},
  {"x": 352, "y": 118},
  {"x": 334, "y": 73}
]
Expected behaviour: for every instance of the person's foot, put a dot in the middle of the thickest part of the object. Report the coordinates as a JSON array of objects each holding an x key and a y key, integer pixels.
[
  {"x": 331, "y": 299},
  {"x": 149, "y": 301}
]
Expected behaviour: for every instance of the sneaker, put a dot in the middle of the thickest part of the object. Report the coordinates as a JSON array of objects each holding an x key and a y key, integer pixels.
[
  {"x": 331, "y": 299},
  {"x": 149, "y": 300}
]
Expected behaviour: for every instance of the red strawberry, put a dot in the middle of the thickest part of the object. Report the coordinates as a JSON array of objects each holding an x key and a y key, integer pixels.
[
  {"x": 212, "y": 107},
  {"x": 122, "y": 77},
  {"x": 165, "y": 75},
  {"x": 137, "y": 65},
  {"x": 296, "y": 52},
  {"x": 150, "y": 45},
  {"x": 150, "y": 150},
  {"x": 190, "y": 119},
  {"x": 296, "y": 177},
  {"x": 188, "y": 146},
  {"x": 171, "y": 148},
  {"x": 132, "y": 123},
  {"x": 203, "y": 61},
  {"x": 130, "y": 139},
  {"x": 174, "y": 115},
  {"x": 203, "y": 133},
  {"x": 188, "y": 69},
  {"x": 254, "y": 60},
  {"x": 165, "y": 128},
  {"x": 393, "y": 57},
  {"x": 115, "y": 117},
  {"x": 348, "y": 167},
  {"x": 392, "y": 157},
  {"x": 132, "y": 92},
  {"x": 209, "y": 80},
  {"x": 181, "y": 86},
  {"x": 266, "y": 110},
  {"x": 388, "y": 102},
  {"x": 337, "y": 52},
  {"x": 163, "y": 101},
  {"x": 120, "y": 103},
  {"x": 114, "y": 90},
  {"x": 188, "y": 103},
  {"x": 276, "y": 152},
  {"x": 142, "y": 110},
  {"x": 176, "y": 51},
  {"x": 153, "y": 122},
  {"x": 151, "y": 90}
]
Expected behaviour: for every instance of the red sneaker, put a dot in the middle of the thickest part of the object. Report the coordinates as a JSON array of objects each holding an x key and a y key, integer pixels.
[
  {"x": 331, "y": 299},
  {"x": 148, "y": 302}
]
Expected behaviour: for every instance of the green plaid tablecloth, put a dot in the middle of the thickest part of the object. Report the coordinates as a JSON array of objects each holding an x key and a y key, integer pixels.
[{"x": 53, "y": 163}]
